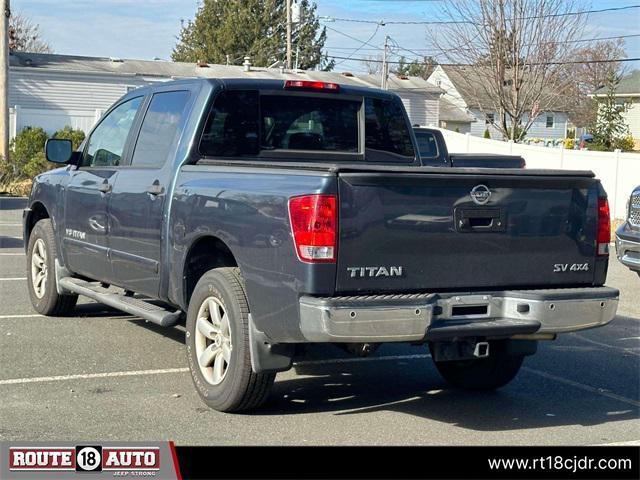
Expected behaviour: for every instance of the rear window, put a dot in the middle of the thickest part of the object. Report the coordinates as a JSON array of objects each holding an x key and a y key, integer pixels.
[
  {"x": 294, "y": 122},
  {"x": 246, "y": 123}
]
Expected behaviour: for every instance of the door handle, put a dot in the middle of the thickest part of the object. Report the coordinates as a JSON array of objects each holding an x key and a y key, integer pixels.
[
  {"x": 105, "y": 187},
  {"x": 155, "y": 189}
]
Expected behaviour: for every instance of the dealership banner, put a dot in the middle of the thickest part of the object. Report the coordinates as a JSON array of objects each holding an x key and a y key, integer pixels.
[
  {"x": 99, "y": 460},
  {"x": 88, "y": 460}
]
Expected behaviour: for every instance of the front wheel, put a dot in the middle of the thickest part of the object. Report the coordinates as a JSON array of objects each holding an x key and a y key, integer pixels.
[
  {"x": 218, "y": 344},
  {"x": 489, "y": 373},
  {"x": 41, "y": 275}
]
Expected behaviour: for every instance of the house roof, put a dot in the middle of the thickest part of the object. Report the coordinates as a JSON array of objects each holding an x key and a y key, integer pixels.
[
  {"x": 629, "y": 85},
  {"x": 469, "y": 80},
  {"x": 452, "y": 113},
  {"x": 162, "y": 69}
]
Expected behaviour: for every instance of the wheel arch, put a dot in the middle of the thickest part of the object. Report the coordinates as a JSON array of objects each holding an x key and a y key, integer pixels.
[
  {"x": 38, "y": 211},
  {"x": 205, "y": 253}
]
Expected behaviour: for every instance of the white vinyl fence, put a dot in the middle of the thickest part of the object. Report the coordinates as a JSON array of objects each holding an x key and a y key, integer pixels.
[
  {"x": 618, "y": 172},
  {"x": 51, "y": 120}
]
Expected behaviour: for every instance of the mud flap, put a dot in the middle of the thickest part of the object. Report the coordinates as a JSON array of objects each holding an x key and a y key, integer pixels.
[{"x": 266, "y": 356}]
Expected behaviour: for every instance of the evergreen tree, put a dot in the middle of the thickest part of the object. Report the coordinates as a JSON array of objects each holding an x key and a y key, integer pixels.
[
  {"x": 256, "y": 28},
  {"x": 610, "y": 128},
  {"x": 414, "y": 68}
]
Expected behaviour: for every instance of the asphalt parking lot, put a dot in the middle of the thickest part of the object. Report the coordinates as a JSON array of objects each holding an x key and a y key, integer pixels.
[{"x": 104, "y": 375}]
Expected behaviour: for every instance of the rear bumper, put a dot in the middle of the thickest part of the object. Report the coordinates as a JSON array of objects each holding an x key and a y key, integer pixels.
[
  {"x": 438, "y": 317},
  {"x": 628, "y": 248}
]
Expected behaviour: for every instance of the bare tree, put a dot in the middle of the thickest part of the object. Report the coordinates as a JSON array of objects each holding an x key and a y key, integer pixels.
[
  {"x": 24, "y": 35},
  {"x": 373, "y": 65},
  {"x": 596, "y": 69},
  {"x": 516, "y": 49}
]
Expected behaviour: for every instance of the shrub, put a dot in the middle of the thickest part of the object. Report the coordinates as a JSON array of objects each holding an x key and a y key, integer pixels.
[
  {"x": 569, "y": 143},
  {"x": 75, "y": 135},
  {"x": 486, "y": 133},
  {"x": 23, "y": 149},
  {"x": 519, "y": 134},
  {"x": 26, "y": 153},
  {"x": 625, "y": 143}
]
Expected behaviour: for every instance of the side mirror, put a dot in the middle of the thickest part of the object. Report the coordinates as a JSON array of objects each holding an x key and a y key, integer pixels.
[{"x": 58, "y": 150}]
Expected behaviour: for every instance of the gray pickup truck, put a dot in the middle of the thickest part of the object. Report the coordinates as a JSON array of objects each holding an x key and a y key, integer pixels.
[
  {"x": 628, "y": 234},
  {"x": 273, "y": 214}
]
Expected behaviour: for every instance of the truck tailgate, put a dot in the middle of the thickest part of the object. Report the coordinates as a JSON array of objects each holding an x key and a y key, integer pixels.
[{"x": 410, "y": 232}]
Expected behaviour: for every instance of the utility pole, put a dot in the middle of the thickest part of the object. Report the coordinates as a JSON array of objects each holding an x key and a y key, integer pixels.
[
  {"x": 4, "y": 80},
  {"x": 385, "y": 66},
  {"x": 288, "y": 2}
]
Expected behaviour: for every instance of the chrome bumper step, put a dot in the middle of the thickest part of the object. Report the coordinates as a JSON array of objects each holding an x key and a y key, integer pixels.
[{"x": 397, "y": 318}]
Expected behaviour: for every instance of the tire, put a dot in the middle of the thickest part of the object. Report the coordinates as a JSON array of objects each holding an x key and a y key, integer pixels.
[
  {"x": 224, "y": 379},
  {"x": 44, "y": 294},
  {"x": 490, "y": 373}
]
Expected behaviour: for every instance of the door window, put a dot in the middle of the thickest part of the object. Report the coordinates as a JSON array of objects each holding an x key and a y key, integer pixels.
[
  {"x": 232, "y": 126},
  {"x": 107, "y": 141},
  {"x": 160, "y": 129},
  {"x": 386, "y": 131}
]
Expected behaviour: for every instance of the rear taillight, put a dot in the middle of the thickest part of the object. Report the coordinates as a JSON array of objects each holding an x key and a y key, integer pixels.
[
  {"x": 314, "y": 222},
  {"x": 604, "y": 226}
]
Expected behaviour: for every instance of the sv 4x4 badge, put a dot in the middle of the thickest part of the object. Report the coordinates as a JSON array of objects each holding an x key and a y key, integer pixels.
[{"x": 570, "y": 267}]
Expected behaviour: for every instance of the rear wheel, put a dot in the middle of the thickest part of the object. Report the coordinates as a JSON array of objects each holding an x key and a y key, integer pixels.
[
  {"x": 218, "y": 344},
  {"x": 489, "y": 373},
  {"x": 41, "y": 277}
]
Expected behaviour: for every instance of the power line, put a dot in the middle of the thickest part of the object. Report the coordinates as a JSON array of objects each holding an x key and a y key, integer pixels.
[
  {"x": 453, "y": 22},
  {"x": 353, "y": 38},
  {"x": 434, "y": 52},
  {"x": 361, "y": 46},
  {"x": 372, "y": 60}
]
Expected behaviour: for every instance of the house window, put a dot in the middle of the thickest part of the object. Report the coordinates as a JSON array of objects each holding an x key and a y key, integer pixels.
[
  {"x": 549, "y": 121},
  {"x": 489, "y": 119}
]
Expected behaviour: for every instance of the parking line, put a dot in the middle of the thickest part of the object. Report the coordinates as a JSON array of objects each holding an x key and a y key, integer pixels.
[
  {"x": 620, "y": 444},
  {"x": 10, "y": 224},
  {"x": 57, "y": 378},
  {"x": 582, "y": 386},
  {"x": 12, "y": 254},
  {"x": 606, "y": 345},
  {"x": 12, "y": 279},
  {"x": 131, "y": 373},
  {"x": 31, "y": 315}
]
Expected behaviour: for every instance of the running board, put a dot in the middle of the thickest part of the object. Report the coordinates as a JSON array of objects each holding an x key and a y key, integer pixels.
[{"x": 134, "y": 306}]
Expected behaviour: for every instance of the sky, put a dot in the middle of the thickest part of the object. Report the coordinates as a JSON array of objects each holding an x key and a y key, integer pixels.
[{"x": 147, "y": 29}]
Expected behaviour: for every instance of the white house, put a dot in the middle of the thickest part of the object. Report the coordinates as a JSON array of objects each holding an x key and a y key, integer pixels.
[
  {"x": 628, "y": 92},
  {"x": 458, "y": 82},
  {"x": 52, "y": 91}
]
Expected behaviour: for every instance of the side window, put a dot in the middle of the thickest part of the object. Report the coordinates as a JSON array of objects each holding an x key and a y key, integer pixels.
[
  {"x": 160, "y": 129},
  {"x": 232, "y": 126},
  {"x": 427, "y": 145},
  {"x": 106, "y": 143},
  {"x": 386, "y": 130}
]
